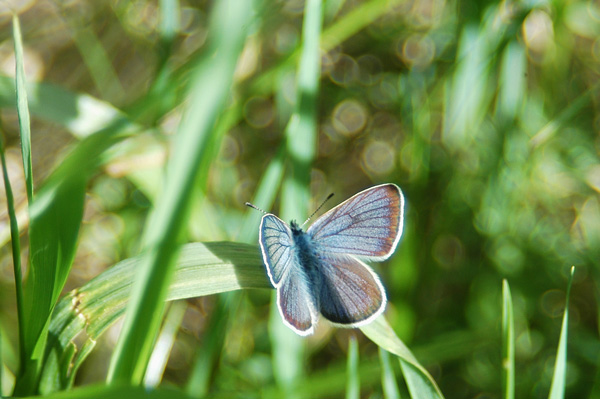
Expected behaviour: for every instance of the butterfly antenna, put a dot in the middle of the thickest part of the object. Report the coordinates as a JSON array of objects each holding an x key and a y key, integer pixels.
[
  {"x": 255, "y": 207},
  {"x": 317, "y": 210}
]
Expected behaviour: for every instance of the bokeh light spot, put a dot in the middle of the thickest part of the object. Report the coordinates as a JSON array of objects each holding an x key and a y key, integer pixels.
[
  {"x": 258, "y": 112},
  {"x": 417, "y": 50},
  {"x": 345, "y": 71},
  {"x": 538, "y": 32},
  {"x": 378, "y": 158},
  {"x": 349, "y": 117}
]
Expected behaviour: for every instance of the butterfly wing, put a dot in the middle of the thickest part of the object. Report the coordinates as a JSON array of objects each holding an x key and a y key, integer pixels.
[
  {"x": 294, "y": 298},
  {"x": 367, "y": 225},
  {"x": 276, "y": 244},
  {"x": 351, "y": 294}
]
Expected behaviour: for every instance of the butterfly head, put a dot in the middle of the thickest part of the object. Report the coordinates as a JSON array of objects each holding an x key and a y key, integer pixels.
[{"x": 296, "y": 229}]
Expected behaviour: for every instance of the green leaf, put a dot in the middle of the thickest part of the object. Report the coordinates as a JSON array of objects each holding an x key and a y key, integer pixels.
[
  {"x": 557, "y": 391},
  {"x": 300, "y": 148},
  {"x": 85, "y": 313},
  {"x": 352, "y": 375},
  {"x": 56, "y": 214},
  {"x": 508, "y": 343},
  {"x": 164, "y": 344},
  {"x": 163, "y": 233},
  {"x": 420, "y": 383},
  {"x": 23, "y": 108},
  {"x": 81, "y": 114},
  {"x": 16, "y": 250},
  {"x": 208, "y": 355},
  {"x": 388, "y": 378},
  {"x": 117, "y": 392}
]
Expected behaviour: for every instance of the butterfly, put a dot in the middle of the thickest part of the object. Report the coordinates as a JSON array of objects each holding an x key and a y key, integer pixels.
[{"x": 320, "y": 271}]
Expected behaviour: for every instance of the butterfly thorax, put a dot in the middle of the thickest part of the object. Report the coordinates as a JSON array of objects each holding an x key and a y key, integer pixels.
[{"x": 307, "y": 255}]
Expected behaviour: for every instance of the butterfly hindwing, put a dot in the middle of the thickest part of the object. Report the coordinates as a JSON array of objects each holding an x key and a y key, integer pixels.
[
  {"x": 367, "y": 225},
  {"x": 296, "y": 302},
  {"x": 351, "y": 293}
]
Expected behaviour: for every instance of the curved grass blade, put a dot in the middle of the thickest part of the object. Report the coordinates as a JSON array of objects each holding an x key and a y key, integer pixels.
[
  {"x": 508, "y": 343},
  {"x": 557, "y": 390},
  {"x": 84, "y": 314},
  {"x": 23, "y": 108},
  {"x": 420, "y": 383},
  {"x": 16, "y": 251}
]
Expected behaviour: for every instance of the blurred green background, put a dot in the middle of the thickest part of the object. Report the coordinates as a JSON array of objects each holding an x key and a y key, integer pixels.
[{"x": 484, "y": 113}]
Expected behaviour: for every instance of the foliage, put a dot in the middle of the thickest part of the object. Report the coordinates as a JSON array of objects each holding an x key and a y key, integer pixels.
[{"x": 484, "y": 113}]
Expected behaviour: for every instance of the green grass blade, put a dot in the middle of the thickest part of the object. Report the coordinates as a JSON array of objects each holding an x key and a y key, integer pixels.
[
  {"x": 23, "y": 109},
  {"x": 202, "y": 269},
  {"x": 56, "y": 214},
  {"x": 388, "y": 378},
  {"x": 300, "y": 134},
  {"x": 116, "y": 392},
  {"x": 16, "y": 252},
  {"x": 208, "y": 355},
  {"x": 169, "y": 20},
  {"x": 352, "y": 375},
  {"x": 420, "y": 383},
  {"x": 569, "y": 112},
  {"x": 301, "y": 130},
  {"x": 80, "y": 114},
  {"x": 96, "y": 59},
  {"x": 557, "y": 390},
  {"x": 209, "y": 91},
  {"x": 508, "y": 343},
  {"x": 164, "y": 345},
  {"x": 264, "y": 198},
  {"x": 1, "y": 363}
]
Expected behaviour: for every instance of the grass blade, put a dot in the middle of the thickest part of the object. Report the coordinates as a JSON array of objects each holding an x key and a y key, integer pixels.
[
  {"x": 16, "y": 253},
  {"x": 300, "y": 135},
  {"x": 164, "y": 345},
  {"x": 264, "y": 198},
  {"x": 301, "y": 130},
  {"x": 202, "y": 269},
  {"x": 557, "y": 390},
  {"x": 56, "y": 214},
  {"x": 508, "y": 343},
  {"x": 388, "y": 378},
  {"x": 164, "y": 230},
  {"x": 420, "y": 383},
  {"x": 170, "y": 23},
  {"x": 23, "y": 109},
  {"x": 96, "y": 58},
  {"x": 352, "y": 376},
  {"x": 116, "y": 392},
  {"x": 209, "y": 354}
]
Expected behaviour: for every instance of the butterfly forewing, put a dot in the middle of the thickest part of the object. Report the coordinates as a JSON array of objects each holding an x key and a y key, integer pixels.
[
  {"x": 368, "y": 225},
  {"x": 276, "y": 244},
  {"x": 351, "y": 294}
]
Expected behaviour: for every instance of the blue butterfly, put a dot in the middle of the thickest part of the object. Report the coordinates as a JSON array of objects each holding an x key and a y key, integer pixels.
[{"x": 319, "y": 271}]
